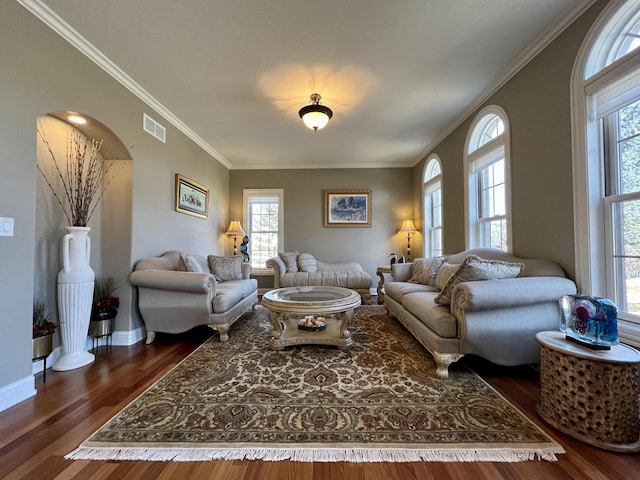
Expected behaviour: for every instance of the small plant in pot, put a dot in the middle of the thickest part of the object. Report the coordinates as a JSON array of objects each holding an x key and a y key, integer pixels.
[
  {"x": 43, "y": 330},
  {"x": 105, "y": 305}
]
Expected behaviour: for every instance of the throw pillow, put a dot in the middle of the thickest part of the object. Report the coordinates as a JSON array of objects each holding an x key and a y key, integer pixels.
[
  {"x": 474, "y": 268},
  {"x": 225, "y": 268},
  {"x": 290, "y": 260},
  {"x": 190, "y": 264},
  {"x": 444, "y": 274},
  {"x": 425, "y": 270},
  {"x": 307, "y": 263}
]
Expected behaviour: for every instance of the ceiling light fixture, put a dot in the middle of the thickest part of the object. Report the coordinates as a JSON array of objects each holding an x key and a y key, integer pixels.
[{"x": 315, "y": 116}]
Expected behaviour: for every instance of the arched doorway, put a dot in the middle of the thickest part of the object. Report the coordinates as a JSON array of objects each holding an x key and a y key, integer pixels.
[{"x": 110, "y": 221}]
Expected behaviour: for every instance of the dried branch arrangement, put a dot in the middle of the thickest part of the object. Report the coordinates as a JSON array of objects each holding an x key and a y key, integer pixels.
[{"x": 83, "y": 175}]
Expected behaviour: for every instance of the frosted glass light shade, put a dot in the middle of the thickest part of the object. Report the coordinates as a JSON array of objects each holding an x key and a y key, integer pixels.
[{"x": 316, "y": 120}]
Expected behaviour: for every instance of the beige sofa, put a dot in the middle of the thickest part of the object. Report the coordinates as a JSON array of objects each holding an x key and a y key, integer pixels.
[
  {"x": 172, "y": 300},
  {"x": 293, "y": 269},
  {"x": 495, "y": 319}
]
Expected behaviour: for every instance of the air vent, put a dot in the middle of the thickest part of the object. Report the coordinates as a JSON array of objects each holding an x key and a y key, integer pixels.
[{"x": 154, "y": 128}]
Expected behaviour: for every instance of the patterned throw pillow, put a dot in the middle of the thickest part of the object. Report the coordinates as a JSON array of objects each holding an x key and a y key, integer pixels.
[
  {"x": 444, "y": 274},
  {"x": 290, "y": 260},
  {"x": 225, "y": 268},
  {"x": 189, "y": 263},
  {"x": 425, "y": 270},
  {"x": 307, "y": 263},
  {"x": 474, "y": 268}
]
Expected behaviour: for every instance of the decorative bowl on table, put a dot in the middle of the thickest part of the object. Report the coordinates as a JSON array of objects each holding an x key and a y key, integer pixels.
[{"x": 311, "y": 324}]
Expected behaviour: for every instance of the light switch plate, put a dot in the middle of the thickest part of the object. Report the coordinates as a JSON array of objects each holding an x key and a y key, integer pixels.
[{"x": 6, "y": 227}]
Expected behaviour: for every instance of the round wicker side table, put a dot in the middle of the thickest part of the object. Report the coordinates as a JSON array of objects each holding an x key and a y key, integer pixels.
[{"x": 591, "y": 395}]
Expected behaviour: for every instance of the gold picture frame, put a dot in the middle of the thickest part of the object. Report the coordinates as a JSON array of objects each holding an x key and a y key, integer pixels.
[
  {"x": 191, "y": 197},
  {"x": 347, "y": 208}
]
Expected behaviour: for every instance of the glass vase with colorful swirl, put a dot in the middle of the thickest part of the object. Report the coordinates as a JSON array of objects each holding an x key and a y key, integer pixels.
[{"x": 590, "y": 321}]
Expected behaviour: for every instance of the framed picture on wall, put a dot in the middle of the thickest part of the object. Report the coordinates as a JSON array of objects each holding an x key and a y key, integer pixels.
[
  {"x": 347, "y": 208},
  {"x": 191, "y": 197}
]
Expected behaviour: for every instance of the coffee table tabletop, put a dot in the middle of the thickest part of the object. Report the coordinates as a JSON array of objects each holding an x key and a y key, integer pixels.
[{"x": 287, "y": 305}]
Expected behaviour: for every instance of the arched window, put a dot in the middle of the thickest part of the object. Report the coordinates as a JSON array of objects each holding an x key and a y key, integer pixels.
[
  {"x": 432, "y": 195},
  {"x": 487, "y": 190},
  {"x": 606, "y": 156}
]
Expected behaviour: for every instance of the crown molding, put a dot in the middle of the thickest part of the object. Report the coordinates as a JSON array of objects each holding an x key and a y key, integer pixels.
[
  {"x": 62, "y": 28},
  {"x": 323, "y": 166},
  {"x": 518, "y": 64}
]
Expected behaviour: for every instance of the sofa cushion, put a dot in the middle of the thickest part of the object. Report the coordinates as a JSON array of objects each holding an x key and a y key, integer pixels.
[
  {"x": 435, "y": 316},
  {"x": 231, "y": 292},
  {"x": 188, "y": 263},
  {"x": 307, "y": 263},
  {"x": 225, "y": 268},
  {"x": 425, "y": 270},
  {"x": 354, "y": 280},
  {"x": 444, "y": 274},
  {"x": 397, "y": 290},
  {"x": 290, "y": 260},
  {"x": 474, "y": 268}
]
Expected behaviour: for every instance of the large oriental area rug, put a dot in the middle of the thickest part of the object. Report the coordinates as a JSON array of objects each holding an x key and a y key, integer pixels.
[{"x": 377, "y": 401}]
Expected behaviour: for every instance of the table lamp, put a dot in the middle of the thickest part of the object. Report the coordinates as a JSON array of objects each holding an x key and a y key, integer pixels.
[
  {"x": 235, "y": 229},
  {"x": 408, "y": 228}
]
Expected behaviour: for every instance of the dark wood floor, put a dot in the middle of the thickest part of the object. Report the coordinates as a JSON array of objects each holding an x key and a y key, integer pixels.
[{"x": 36, "y": 434}]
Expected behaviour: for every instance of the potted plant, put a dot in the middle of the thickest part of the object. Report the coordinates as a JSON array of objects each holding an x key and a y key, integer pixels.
[
  {"x": 105, "y": 306},
  {"x": 43, "y": 330}
]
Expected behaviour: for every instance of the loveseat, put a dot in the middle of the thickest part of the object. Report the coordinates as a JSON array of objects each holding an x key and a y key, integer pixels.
[
  {"x": 178, "y": 291},
  {"x": 293, "y": 269},
  {"x": 466, "y": 304}
]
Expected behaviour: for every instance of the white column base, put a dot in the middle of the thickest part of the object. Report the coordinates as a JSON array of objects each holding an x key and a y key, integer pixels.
[
  {"x": 69, "y": 361},
  {"x": 74, "y": 304}
]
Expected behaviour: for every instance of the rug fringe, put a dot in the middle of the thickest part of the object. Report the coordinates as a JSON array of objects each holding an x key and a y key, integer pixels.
[{"x": 355, "y": 455}]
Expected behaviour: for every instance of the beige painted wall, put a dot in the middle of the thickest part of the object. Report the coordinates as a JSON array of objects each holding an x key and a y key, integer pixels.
[
  {"x": 537, "y": 102},
  {"x": 47, "y": 74},
  {"x": 303, "y": 210}
]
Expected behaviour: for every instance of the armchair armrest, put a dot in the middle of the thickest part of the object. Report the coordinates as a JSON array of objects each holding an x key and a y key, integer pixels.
[
  {"x": 246, "y": 270},
  {"x": 279, "y": 269},
  {"x": 490, "y": 294},
  {"x": 401, "y": 272},
  {"x": 175, "y": 281}
]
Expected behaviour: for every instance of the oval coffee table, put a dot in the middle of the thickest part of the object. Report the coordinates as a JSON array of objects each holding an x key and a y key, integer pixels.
[{"x": 287, "y": 305}]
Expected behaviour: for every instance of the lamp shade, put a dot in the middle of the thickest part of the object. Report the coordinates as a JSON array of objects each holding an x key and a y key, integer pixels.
[
  {"x": 235, "y": 228},
  {"x": 407, "y": 226}
]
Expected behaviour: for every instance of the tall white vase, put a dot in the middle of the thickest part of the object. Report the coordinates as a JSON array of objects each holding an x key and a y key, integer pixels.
[{"x": 75, "y": 296}]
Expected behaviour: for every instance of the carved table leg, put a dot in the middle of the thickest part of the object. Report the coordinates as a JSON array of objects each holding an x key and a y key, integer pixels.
[
  {"x": 380, "y": 286},
  {"x": 278, "y": 330}
]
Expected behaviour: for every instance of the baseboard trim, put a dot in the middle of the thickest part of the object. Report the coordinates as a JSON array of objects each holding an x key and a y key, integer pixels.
[
  {"x": 16, "y": 392},
  {"x": 125, "y": 338},
  {"x": 119, "y": 338}
]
